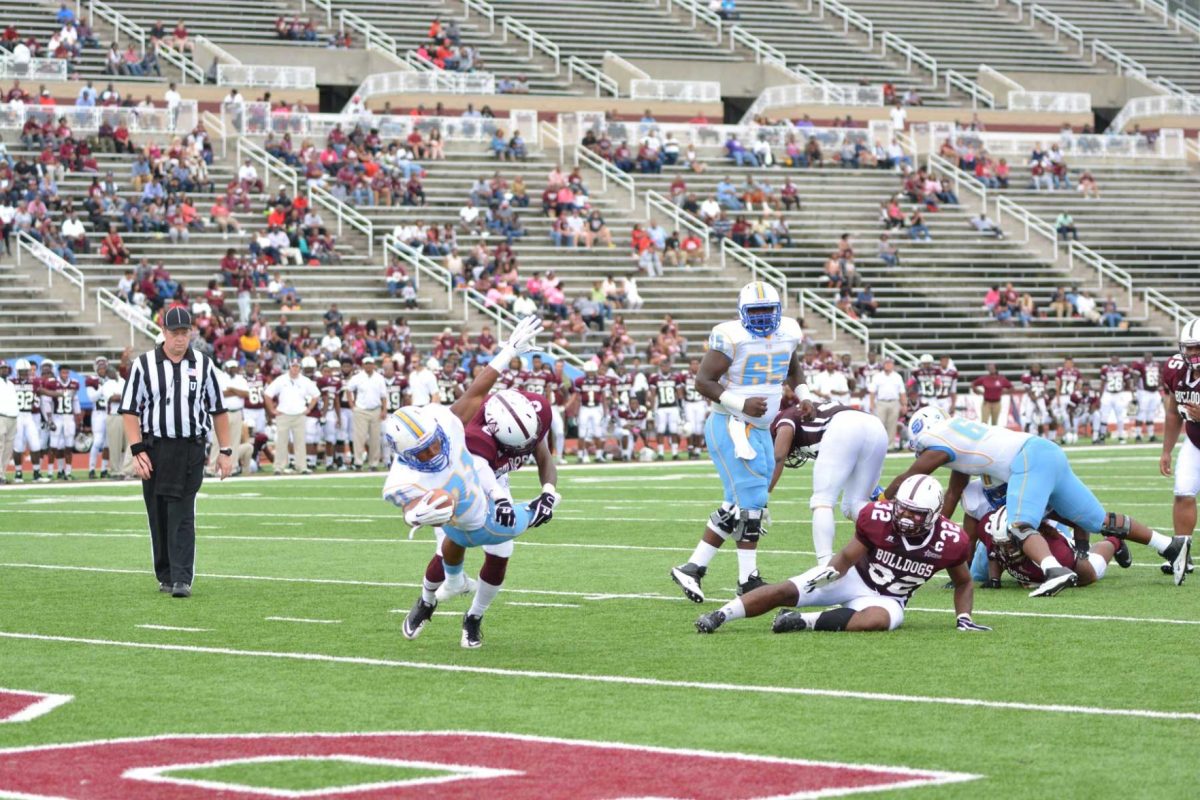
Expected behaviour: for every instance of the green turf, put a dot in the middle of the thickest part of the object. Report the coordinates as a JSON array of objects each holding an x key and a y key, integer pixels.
[
  {"x": 300, "y": 775},
  {"x": 603, "y": 564}
]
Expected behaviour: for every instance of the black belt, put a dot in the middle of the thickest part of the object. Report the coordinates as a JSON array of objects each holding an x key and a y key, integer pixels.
[{"x": 151, "y": 440}]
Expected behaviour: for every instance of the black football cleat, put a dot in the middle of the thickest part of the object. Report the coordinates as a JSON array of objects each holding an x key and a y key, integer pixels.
[
  {"x": 103, "y": 474},
  {"x": 414, "y": 623},
  {"x": 708, "y": 623},
  {"x": 688, "y": 576},
  {"x": 91, "y": 474},
  {"x": 472, "y": 635},
  {"x": 181, "y": 590},
  {"x": 1178, "y": 556},
  {"x": 1057, "y": 579},
  {"x": 1122, "y": 556},
  {"x": 165, "y": 588},
  {"x": 750, "y": 584},
  {"x": 788, "y": 622}
]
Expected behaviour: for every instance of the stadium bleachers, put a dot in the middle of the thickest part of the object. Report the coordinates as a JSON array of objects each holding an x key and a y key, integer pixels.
[
  {"x": 234, "y": 23},
  {"x": 32, "y": 320},
  {"x": 37, "y": 20}
]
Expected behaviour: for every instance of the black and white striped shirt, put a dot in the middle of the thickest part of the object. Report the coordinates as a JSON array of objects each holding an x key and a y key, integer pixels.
[{"x": 174, "y": 401}]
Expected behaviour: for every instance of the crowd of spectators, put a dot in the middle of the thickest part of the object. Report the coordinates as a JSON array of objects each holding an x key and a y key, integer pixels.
[
  {"x": 1006, "y": 305},
  {"x": 71, "y": 36}
]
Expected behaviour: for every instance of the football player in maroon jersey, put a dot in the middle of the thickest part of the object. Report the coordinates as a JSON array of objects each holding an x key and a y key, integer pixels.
[
  {"x": 1005, "y": 554},
  {"x": 330, "y": 406},
  {"x": 1114, "y": 397},
  {"x": 630, "y": 424},
  {"x": 1035, "y": 411},
  {"x": 945, "y": 386},
  {"x": 695, "y": 409},
  {"x": 666, "y": 398},
  {"x": 1148, "y": 375},
  {"x": 925, "y": 379},
  {"x": 60, "y": 404},
  {"x": 897, "y": 547},
  {"x": 594, "y": 397},
  {"x": 1181, "y": 398},
  {"x": 1066, "y": 380}
]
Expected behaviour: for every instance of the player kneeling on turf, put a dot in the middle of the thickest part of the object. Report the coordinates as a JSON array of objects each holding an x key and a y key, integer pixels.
[{"x": 897, "y": 547}]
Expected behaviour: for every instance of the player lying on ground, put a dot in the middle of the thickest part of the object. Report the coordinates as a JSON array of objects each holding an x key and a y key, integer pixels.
[
  {"x": 1004, "y": 553},
  {"x": 743, "y": 372},
  {"x": 431, "y": 461},
  {"x": 1040, "y": 482},
  {"x": 897, "y": 547}
]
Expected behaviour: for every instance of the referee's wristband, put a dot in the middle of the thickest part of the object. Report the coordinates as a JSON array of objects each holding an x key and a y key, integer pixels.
[{"x": 139, "y": 448}]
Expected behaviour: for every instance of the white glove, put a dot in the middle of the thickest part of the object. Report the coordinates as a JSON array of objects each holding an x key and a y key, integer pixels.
[
  {"x": 817, "y": 577},
  {"x": 425, "y": 514},
  {"x": 522, "y": 336}
]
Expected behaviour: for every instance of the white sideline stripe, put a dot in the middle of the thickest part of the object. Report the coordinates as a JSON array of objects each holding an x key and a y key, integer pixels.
[
  {"x": 302, "y": 619},
  {"x": 541, "y": 605},
  {"x": 582, "y": 595},
  {"x": 441, "y": 613},
  {"x": 174, "y": 628},
  {"x": 48, "y": 703},
  {"x": 626, "y": 680}
]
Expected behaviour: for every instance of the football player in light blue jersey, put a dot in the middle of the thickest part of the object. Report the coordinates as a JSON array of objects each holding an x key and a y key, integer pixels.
[
  {"x": 1040, "y": 482},
  {"x": 743, "y": 372}
]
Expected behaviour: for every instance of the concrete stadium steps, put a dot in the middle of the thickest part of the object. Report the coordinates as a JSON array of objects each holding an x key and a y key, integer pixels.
[
  {"x": 220, "y": 20},
  {"x": 1139, "y": 34},
  {"x": 1144, "y": 221},
  {"x": 37, "y": 19},
  {"x": 962, "y": 34},
  {"x": 408, "y": 21},
  {"x": 32, "y": 321},
  {"x": 820, "y": 44}
]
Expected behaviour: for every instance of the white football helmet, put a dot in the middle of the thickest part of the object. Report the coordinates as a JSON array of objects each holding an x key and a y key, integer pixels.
[
  {"x": 590, "y": 366},
  {"x": 759, "y": 308},
  {"x": 513, "y": 420},
  {"x": 916, "y": 506},
  {"x": 409, "y": 432},
  {"x": 920, "y": 423},
  {"x": 308, "y": 362},
  {"x": 1190, "y": 337},
  {"x": 925, "y": 359},
  {"x": 83, "y": 442},
  {"x": 997, "y": 526},
  {"x": 22, "y": 365},
  {"x": 333, "y": 363}
]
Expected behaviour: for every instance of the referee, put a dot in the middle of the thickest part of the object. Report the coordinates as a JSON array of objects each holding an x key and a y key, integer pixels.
[{"x": 172, "y": 399}]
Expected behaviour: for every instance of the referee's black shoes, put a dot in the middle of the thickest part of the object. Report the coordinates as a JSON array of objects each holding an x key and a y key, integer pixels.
[
  {"x": 181, "y": 590},
  {"x": 165, "y": 588}
]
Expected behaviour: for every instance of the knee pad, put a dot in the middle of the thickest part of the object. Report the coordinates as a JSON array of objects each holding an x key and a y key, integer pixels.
[
  {"x": 750, "y": 524},
  {"x": 1117, "y": 525},
  {"x": 723, "y": 521},
  {"x": 1020, "y": 531}
]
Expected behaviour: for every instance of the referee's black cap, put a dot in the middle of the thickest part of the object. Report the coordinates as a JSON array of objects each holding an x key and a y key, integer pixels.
[{"x": 177, "y": 318}]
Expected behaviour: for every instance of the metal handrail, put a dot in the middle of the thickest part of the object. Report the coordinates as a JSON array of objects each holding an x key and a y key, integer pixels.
[
  {"x": 345, "y": 213},
  {"x": 759, "y": 268},
  {"x": 215, "y": 124},
  {"x": 910, "y": 53},
  {"x": 421, "y": 264},
  {"x": 838, "y": 319},
  {"x": 373, "y": 37},
  {"x": 607, "y": 172},
  {"x": 119, "y": 22},
  {"x": 1031, "y": 222},
  {"x": 553, "y": 132},
  {"x": 970, "y": 87},
  {"x": 656, "y": 202},
  {"x": 484, "y": 10},
  {"x": 182, "y": 62},
  {"x": 763, "y": 52},
  {"x": 602, "y": 82},
  {"x": 1061, "y": 26},
  {"x": 700, "y": 12},
  {"x": 889, "y": 349},
  {"x": 534, "y": 40},
  {"x": 984, "y": 69},
  {"x": 1104, "y": 268},
  {"x": 324, "y": 5},
  {"x": 849, "y": 17},
  {"x": 961, "y": 178},
  {"x": 137, "y": 322},
  {"x": 248, "y": 149},
  {"x": 1125, "y": 64},
  {"x": 1180, "y": 315},
  {"x": 1185, "y": 19},
  {"x": 53, "y": 263}
]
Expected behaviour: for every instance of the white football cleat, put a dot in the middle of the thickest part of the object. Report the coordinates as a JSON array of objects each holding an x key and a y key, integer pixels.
[{"x": 447, "y": 591}]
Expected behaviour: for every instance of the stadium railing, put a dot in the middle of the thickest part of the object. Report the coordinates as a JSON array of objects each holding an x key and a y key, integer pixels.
[
  {"x": 324, "y": 5},
  {"x": 484, "y": 10},
  {"x": 1031, "y": 222},
  {"x": 699, "y": 12},
  {"x": 122, "y": 25},
  {"x": 759, "y": 268},
  {"x": 422, "y": 265},
  {"x": 795, "y": 94},
  {"x": 912, "y": 55},
  {"x": 1177, "y": 313},
  {"x": 215, "y": 125},
  {"x": 373, "y": 37},
  {"x": 1184, "y": 20},
  {"x": 266, "y": 75},
  {"x": 996, "y": 75},
  {"x": 247, "y": 149},
  {"x": 655, "y": 202},
  {"x": 535, "y": 40},
  {"x": 88, "y": 118},
  {"x": 809, "y": 300},
  {"x": 54, "y": 264},
  {"x": 978, "y": 94},
  {"x": 763, "y": 52},
  {"x": 137, "y": 322},
  {"x": 675, "y": 91},
  {"x": 601, "y": 81},
  {"x": 1061, "y": 28},
  {"x": 1155, "y": 106},
  {"x": 552, "y": 138},
  {"x": 1105, "y": 269},
  {"x": 1125, "y": 65},
  {"x": 850, "y": 18},
  {"x": 256, "y": 119},
  {"x": 1065, "y": 102},
  {"x": 607, "y": 173},
  {"x": 1167, "y": 145},
  {"x": 963, "y": 181},
  {"x": 889, "y": 349},
  {"x": 37, "y": 69}
]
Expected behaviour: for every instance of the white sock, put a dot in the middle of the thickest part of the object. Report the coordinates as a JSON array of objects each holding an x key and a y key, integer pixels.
[
  {"x": 660, "y": 448},
  {"x": 58, "y": 465},
  {"x": 1049, "y": 563},
  {"x": 823, "y": 531},
  {"x": 485, "y": 593},
  {"x": 703, "y": 554},
  {"x": 1098, "y": 564},
  {"x": 810, "y": 619},
  {"x": 674, "y": 448},
  {"x": 1159, "y": 542},
  {"x": 747, "y": 563},
  {"x": 429, "y": 591},
  {"x": 734, "y": 609}
]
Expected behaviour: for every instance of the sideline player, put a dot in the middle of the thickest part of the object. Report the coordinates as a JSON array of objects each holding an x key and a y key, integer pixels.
[
  {"x": 99, "y": 390},
  {"x": 60, "y": 405},
  {"x": 666, "y": 399},
  {"x": 1039, "y": 478},
  {"x": 743, "y": 372},
  {"x": 631, "y": 422},
  {"x": 849, "y": 447},
  {"x": 1035, "y": 408},
  {"x": 593, "y": 391},
  {"x": 897, "y": 547},
  {"x": 1147, "y": 373},
  {"x": 29, "y": 422},
  {"x": 695, "y": 409},
  {"x": 1181, "y": 397},
  {"x": 430, "y": 453},
  {"x": 1066, "y": 380},
  {"x": 1114, "y": 399},
  {"x": 330, "y": 386},
  {"x": 255, "y": 411},
  {"x": 925, "y": 379},
  {"x": 946, "y": 387}
]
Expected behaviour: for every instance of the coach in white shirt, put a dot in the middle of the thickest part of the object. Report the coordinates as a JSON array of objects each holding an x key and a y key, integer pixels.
[
  {"x": 8, "y": 418},
  {"x": 289, "y": 398},
  {"x": 891, "y": 397},
  {"x": 422, "y": 383},
  {"x": 368, "y": 391}
]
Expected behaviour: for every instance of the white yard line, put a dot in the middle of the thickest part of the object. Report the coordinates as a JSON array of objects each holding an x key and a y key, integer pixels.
[
  {"x": 594, "y": 596},
  {"x": 174, "y": 628},
  {"x": 307, "y": 621},
  {"x": 623, "y": 680},
  {"x": 541, "y": 605}
]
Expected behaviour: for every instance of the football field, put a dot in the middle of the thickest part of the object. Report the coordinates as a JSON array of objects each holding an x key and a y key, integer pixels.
[{"x": 294, "y": 628}]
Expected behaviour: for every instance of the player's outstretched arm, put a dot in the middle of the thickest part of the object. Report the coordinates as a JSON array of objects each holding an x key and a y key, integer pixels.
[
  {"x": 924, "y": 464},
  {"x": 519, "y": 341},
  {"x": 784, "y": 435},
  {"x": 964, "y": 598}
]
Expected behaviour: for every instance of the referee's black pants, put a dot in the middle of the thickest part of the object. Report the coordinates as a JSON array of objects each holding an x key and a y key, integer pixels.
[{"x": 170, "y": 495}]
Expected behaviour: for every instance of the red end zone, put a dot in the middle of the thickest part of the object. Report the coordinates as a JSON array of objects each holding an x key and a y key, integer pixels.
[
  {"x": 549, "y": 769},
  {"x": 18, "y": 706}
]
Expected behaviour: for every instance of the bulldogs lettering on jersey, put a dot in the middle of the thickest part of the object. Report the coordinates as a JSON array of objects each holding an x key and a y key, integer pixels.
[
  {"x": 537, "y": 381},
  {"x": 1115, "y": 377},
  {"x": 666, "y": 389},
  {"x": 1183, "y": 383},
  {"x": 621, "y": 389},
  {"x": 482, "y": 443},
  {"x": 1068, "y": 380},
  {"x": 1035, "y": 384},
  {"x": 1009, "y": 555},
  {"x": 593, "y": 390},
  {"x": 807, "y": 432},
  {"x": 896, "y": 568},
  {"x": 758, "y": 365}
]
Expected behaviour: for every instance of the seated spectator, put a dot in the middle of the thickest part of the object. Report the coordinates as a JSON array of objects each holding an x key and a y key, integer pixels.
[
  {"x": 1039, "y": 171},
  {"x": 917, "y": 231},
  {"x": 596, "y": 230},
  {"x": 1087, "y": 185},
  {"x": 1059, "y": 303},
  {"x": 986, "y": 227},
  {"x": 1002, "y": 170},
  {"x": 725, "y": 9},
  {"x": 889, "y": 254},
  {"x": 738, "y": 153},
  {"x": 991, "y": 298},
  {"x": 893, "y": 215},
  {"x": 865, "y": 303},
  {"x": 112, "y": 247},
  {"x": 691, "y": 249},
  {"x": 1085, "y": 306},
  {"x": 727, "y": 195},
  {"x": 1065, "y": 225},
  {"x": 692, "y": 161},
  {"x": 1026, "y": 310},
  {"x": 179, "y": 39}
]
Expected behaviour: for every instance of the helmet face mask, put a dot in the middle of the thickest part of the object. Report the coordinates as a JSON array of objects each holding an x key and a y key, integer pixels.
[
  {"x": 910, "y": 522},
  {"x": 916, "y": 507},
  {"x": 1189, "y": 343},
  {"x": 416, "y": 440},
  {"x": 760, "y": 309},
  {"x": 430, "y": 456}
]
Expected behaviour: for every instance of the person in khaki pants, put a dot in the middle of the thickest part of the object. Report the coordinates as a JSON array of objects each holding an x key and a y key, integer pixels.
[
  {"x": 289, "y": 398},
  {"x": 367, "y": 391},
  {"x": 890, "y": 395},
  {"x": 8, "y": 418}
]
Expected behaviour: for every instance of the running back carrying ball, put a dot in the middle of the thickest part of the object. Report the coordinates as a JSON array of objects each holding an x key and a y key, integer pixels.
[{"x": 434, "y": 507}]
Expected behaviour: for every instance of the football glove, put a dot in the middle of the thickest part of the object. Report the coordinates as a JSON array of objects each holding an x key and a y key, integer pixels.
[
  {"x": 964, "y": 623},
  {"x": 543, "y": 508},
  {"x": 423, "y": 513},
  {"x": 990, "y": 583},
  {"x": 504, "y": 514},
  {"x": 818, "y": 577},
  {"x": 523, "y": 334}
]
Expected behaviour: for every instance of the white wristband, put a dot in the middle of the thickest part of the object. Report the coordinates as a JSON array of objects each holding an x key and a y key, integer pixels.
[
  {"x": 548, "y": 488},
  {"x": 501, "y": 360},
  {"x": 803, "y": 392},
  {"x": 731, "y": 401}
]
